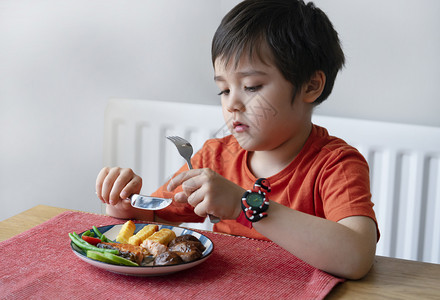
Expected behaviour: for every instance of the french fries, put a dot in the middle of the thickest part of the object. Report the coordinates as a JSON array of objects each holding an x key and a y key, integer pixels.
[
  {"x": 126, "y": 232},
  {"x": 158, "y": 242},
  {"x": 149, "y": 238},
  {"x": 142, "y": 234},
  {"x": 163, "y": 236}
]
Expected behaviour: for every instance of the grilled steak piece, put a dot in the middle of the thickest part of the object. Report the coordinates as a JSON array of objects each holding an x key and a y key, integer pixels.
[
  {"x": 184, "y": 238},
  {"x": 167, "y": 258},
  {"x": 187, "y": 250}
]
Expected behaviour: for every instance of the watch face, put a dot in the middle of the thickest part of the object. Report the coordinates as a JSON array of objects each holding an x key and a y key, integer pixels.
[{"x": 255, "y": 199}]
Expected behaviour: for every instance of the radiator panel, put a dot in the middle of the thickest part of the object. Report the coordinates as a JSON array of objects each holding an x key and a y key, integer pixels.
[{"x": 405, "y": 182}]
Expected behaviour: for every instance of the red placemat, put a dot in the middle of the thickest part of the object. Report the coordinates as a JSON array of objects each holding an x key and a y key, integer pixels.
[{"x": 39, "y": 264}]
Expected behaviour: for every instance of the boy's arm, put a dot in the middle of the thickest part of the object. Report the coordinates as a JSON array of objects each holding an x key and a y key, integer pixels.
[{"x": 345, "y": 248}]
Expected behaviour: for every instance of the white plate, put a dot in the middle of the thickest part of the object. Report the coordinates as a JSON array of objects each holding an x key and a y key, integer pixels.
[{"x": 111, "y": 232}]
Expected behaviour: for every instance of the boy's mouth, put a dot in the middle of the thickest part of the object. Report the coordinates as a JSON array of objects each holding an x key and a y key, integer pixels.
[{"x": 239, "y": 127}]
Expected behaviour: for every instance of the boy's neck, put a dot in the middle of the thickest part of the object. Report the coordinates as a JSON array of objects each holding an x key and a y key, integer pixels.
[{"x": 270, "y": 162}]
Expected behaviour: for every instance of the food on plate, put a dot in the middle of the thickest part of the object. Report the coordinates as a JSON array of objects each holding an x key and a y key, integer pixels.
[
  {"x": 142, "y": 234},
  {"x": 98, "y": 234},
  {"x": 131, "y": 252},
  {"x": 187, "y": 247},
  {"x": 158, "y": 242},
  {"x": 85, "y": 246},
  {"x": 126, "y": 232},
  {"x": 185, "y": 238},
  {"x": 91, "y": 240},
  {"x": 188, "y": 250},
  {"x": 167, "y": 258},
  {"x": 149, "y": 246},
  {"x": 110, "y": 258}
]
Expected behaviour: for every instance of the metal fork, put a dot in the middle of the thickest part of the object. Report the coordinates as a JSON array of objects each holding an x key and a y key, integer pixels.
[
  {"x": 184, "y": 147},
  {"x": 186, "y": 150}
]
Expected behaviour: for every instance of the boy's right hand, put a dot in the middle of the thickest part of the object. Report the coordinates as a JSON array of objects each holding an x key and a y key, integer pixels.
[{"x": 116, "y": 184}]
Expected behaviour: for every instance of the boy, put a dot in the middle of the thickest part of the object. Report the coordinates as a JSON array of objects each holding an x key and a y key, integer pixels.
[{"x": 274, "y": 61}]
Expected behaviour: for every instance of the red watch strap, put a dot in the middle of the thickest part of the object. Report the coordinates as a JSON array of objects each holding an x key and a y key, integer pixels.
[{"x": 244, "y": 221}]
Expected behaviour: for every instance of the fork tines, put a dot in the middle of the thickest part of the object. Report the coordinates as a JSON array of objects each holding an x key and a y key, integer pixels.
[{"x": 177, "y": 139}]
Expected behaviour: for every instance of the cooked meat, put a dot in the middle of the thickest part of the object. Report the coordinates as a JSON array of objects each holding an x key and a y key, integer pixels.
[
  {"x": 155, "y": 248},
  {"x": 183, "y": 238},
  {"x": 167, "y": 258},
  {"x": 148, "y": 259},
  {"x": 190, "y": 256},
  {"x": 187, "y": 238},
  {"x": 188, "y": 250},
  {"x": 185, "y": 246},
  {"x": 131, "y": 252}
]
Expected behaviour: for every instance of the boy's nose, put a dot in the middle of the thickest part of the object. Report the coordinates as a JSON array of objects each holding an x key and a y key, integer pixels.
[{"x": 235, "y": 103}]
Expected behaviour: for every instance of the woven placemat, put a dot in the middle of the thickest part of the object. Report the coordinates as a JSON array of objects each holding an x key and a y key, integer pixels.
[{"x": 39, "y": 264}]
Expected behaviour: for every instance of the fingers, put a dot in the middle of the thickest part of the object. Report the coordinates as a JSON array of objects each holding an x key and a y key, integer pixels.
[
  {"x": 181, "y": 197},
  {"x": 195, "y": 199},
  {"x": 116, "y": 184},
  {"x": 111, "y": 190},
  {"x": 99, "y": 181},
  {"x": 195, "y": 185},
  {"x": 182, "y": 178},
  {"x": 132, "y": 187}
]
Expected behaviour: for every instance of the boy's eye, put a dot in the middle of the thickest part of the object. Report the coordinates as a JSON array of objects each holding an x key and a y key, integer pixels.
[
  {"x": 252, "y": 88},
  {"x": 224, "y": 92}
]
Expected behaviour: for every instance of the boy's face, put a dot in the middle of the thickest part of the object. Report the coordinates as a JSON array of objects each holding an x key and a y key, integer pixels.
[{"x": 257, "y": 104}]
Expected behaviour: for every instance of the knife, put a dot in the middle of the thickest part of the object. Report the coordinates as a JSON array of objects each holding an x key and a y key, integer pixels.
[{"x": 149, "y": 202}]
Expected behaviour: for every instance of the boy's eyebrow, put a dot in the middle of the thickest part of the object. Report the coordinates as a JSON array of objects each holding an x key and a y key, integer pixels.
[
  {"x": 218, "y": 78},
  {"x": 242, "y": 74}
]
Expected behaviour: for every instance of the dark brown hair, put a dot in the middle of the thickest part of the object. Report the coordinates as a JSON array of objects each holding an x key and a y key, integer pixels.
[{"x": 300, "y": 36}]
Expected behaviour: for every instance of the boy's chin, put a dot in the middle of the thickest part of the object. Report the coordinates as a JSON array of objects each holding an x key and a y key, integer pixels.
[{"x": 246, "y": 142}]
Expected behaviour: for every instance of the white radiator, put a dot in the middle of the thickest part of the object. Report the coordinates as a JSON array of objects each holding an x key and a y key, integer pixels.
[
  {"x": 404, "y": 162},
  {"x": 405, "y": 182}
]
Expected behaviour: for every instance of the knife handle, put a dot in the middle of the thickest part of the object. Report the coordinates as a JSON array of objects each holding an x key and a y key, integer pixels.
[{"x": 213, "y": 219}]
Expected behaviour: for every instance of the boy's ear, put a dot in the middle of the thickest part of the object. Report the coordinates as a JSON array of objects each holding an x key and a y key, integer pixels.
[{"x": 314, "y": 87}]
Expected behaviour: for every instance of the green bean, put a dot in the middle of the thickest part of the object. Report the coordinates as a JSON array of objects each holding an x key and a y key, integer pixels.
[
  {"x": 88, "y": 233},
  {"x": 106, "y": 239},
  {"x": 110, "y": 258},
  {"x": 98, "y": 233},
  {"x": 120, "y": 260},
  {"x": 86, "y": 246},
  {"x": 77, "y": 242},
  {"x": 101, "y": 236},
  {"x": 98, "y": 256}
]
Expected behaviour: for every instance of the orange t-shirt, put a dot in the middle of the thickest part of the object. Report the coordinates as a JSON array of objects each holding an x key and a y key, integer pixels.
[{"x": 328, "y": 179}]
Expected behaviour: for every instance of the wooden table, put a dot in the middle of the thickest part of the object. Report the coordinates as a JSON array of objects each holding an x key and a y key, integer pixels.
[{"x": 389, "y": 278}]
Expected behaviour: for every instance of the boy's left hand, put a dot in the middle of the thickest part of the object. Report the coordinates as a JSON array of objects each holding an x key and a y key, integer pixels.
[{"x": 209, "y": 193}]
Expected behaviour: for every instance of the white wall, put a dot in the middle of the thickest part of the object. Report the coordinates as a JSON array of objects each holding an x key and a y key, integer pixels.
[
  {"x": 393, "y": 67},
  {"x": 60, "y": 61}
]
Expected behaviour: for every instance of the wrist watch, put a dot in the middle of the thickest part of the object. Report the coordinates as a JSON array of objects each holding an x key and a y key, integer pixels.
[{"x": 255, "y": 202}]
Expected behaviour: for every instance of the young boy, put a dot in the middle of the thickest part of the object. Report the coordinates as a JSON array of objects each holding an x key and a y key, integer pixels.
[{"x": 274, "y": 61}]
